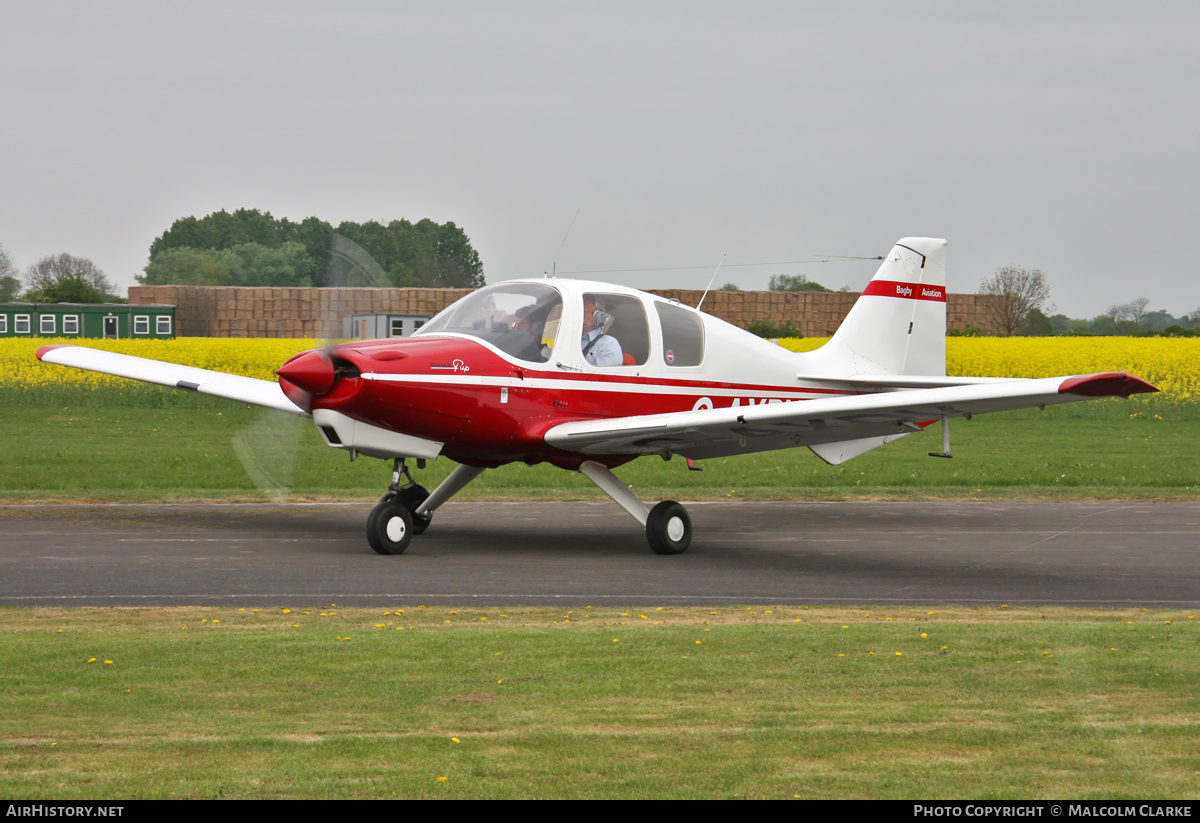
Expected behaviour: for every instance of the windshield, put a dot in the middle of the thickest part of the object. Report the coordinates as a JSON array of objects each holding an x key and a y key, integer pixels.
[{"x": 520, "y": 319}]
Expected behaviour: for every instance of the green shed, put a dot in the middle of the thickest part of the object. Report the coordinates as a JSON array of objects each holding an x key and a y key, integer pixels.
[{"x": 87, "y": 320}]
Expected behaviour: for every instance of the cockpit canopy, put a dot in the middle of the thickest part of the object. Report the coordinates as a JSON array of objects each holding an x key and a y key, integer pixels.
[
  {"x": 523, "y": 319},
  {"x": 520, "y": 319}
]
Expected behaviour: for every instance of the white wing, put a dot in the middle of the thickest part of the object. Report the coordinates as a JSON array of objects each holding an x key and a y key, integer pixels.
[
  {"x": 882, "y": 416},
  {"x": 250, "y": 390}
]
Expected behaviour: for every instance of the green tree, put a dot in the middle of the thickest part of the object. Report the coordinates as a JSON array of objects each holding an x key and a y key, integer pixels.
[
  {"x": 10, "y": 283},
  {"x": 729, "y": 287},
  {"x": 184, "y": 267},
  {"x": 411, "y": 254},
  {"x": 46, "y": 275},
  {"x": 1037, "y": 324},
  {"x": 253, "y": 264},
  {"x": 73, "y": 288},
  {"x": 793, "y": 282}
]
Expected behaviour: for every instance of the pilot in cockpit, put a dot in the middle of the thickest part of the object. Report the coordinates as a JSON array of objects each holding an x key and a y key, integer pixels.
[
  {"x": 524, "y": 320},
  {"x": 599, "y": 349}
]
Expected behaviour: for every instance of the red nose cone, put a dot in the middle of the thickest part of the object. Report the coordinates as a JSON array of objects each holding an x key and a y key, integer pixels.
[{"x": 311, "y": 371}]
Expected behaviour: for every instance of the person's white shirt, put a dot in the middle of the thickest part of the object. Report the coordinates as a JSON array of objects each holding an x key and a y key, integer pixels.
[{"x": 606, "y": 351}]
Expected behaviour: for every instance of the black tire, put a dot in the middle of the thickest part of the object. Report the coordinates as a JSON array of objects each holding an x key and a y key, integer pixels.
[
  {"x": 410, "y": 498},
  {"x": 389, "y": 528},
  {"x": 669, "y": 528}
]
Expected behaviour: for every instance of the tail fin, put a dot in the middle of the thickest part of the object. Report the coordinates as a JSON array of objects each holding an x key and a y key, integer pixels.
[{"x": 898, "y": 325}]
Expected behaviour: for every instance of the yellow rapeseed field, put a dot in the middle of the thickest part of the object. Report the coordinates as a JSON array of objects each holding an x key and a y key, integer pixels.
[
  {"x": 258, "y": 357},
  {"x": 1172, "y": 364}
]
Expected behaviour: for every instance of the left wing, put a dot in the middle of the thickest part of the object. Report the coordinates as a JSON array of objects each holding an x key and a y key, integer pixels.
[
  {"x": 744, "y": 429},
  {"x": 265, "y": 393}
]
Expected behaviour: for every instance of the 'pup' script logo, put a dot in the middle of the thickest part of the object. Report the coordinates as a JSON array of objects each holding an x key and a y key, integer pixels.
[{"x": 457, "y": 365}]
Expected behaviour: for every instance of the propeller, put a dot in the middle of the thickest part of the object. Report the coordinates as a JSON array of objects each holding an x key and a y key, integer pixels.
[{"x": 269, "y": 448}]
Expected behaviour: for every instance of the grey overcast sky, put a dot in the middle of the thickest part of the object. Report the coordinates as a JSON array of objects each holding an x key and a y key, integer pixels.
[{"x": 1060, "y": 136}]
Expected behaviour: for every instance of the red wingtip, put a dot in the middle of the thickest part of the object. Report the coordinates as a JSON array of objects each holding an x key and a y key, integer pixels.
[
  {"x": 1110, "y": 384},
  {"x": 42, "y": 351}
]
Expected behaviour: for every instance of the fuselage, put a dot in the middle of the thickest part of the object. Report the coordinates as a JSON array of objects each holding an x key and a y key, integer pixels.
[{"x": 459, "y": 383}]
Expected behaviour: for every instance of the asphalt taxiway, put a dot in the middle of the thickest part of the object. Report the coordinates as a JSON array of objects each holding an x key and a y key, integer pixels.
[{"x": 1071, "y": 554}]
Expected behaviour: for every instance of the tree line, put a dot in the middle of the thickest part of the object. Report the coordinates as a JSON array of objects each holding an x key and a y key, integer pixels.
[
  {"x": 58, "y": 278},
  {"x": 251, "y": 248},
  {"x": 1022, "y": 308}
]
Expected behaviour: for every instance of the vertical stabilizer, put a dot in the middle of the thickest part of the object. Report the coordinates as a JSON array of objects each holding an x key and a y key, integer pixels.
[{"x": 898, "y": 324}]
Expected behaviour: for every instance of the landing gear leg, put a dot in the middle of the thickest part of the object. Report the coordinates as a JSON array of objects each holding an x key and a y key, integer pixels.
[
  {"x": 452, "y": 485},
  {"x": 668, "y": 526}
]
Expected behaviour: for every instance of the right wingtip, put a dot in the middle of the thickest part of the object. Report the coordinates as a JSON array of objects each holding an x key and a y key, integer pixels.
[{"x": 1111, "y": 384}]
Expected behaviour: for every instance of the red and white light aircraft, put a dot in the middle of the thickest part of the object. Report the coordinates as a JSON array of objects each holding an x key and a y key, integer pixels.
[{"x": 502, "y": 376}]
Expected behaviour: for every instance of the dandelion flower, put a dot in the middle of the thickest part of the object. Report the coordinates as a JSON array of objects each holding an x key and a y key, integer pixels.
[
  {"x": 456, "y": 740},
  {"x": 898, "y": 654},
  {"x": 697, "y": 642},
  {"x": 924, "y": 635},
  {"x": 615, "y": 640},
  {"x": 287, "y": 611},
  {"x": 441, "y": 780},
  {"x": 91, "y": 660},
  {"x": 107, "y": 662}
]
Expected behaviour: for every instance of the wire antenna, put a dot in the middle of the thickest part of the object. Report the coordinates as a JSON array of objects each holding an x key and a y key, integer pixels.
[
  {"x": 554, "y": 267},
  {"x": 710, "y": 282}
]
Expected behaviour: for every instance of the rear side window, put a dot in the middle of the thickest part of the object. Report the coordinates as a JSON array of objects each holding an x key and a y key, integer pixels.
[{"x": 683, "y": 335}]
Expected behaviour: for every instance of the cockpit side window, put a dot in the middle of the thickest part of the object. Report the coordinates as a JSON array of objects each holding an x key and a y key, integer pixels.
[
  {"x": 520, "y": 319},
  {"x": 622, "y": 320},
  {"x": 683, "y": 335}
]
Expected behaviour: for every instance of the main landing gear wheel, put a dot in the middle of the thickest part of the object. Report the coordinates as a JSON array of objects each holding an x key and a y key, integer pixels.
[
  {"x": 669, "y": 528},
  {"x": 390, "y": 527},
  {"x": 410, "y": 497}
]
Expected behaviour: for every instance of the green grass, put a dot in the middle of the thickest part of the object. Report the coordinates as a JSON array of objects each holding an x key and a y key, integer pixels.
[
  {"x": 184, "y": 452},
  {"x": 730, "y": 702}
]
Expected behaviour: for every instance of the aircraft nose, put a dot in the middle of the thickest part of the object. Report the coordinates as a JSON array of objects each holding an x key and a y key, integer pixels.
[{"x": 311, "y": 371}]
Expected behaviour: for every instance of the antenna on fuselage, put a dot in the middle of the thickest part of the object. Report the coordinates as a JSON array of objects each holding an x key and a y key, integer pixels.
[
  {"x": 554, "y": 265},
  {"x": 710, "y": 282}
]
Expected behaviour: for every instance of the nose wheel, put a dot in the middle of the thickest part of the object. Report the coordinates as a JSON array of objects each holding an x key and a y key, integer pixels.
[
  {"x": 407, "y": 510},
  {"x": 390, "y": 528}
]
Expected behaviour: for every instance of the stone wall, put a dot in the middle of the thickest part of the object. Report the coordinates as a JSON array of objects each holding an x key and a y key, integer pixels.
[{"x": 212, "y": 311}]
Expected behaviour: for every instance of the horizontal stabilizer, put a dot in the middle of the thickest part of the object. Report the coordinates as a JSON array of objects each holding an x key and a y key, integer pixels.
[{"x": 265, "y": 393}]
